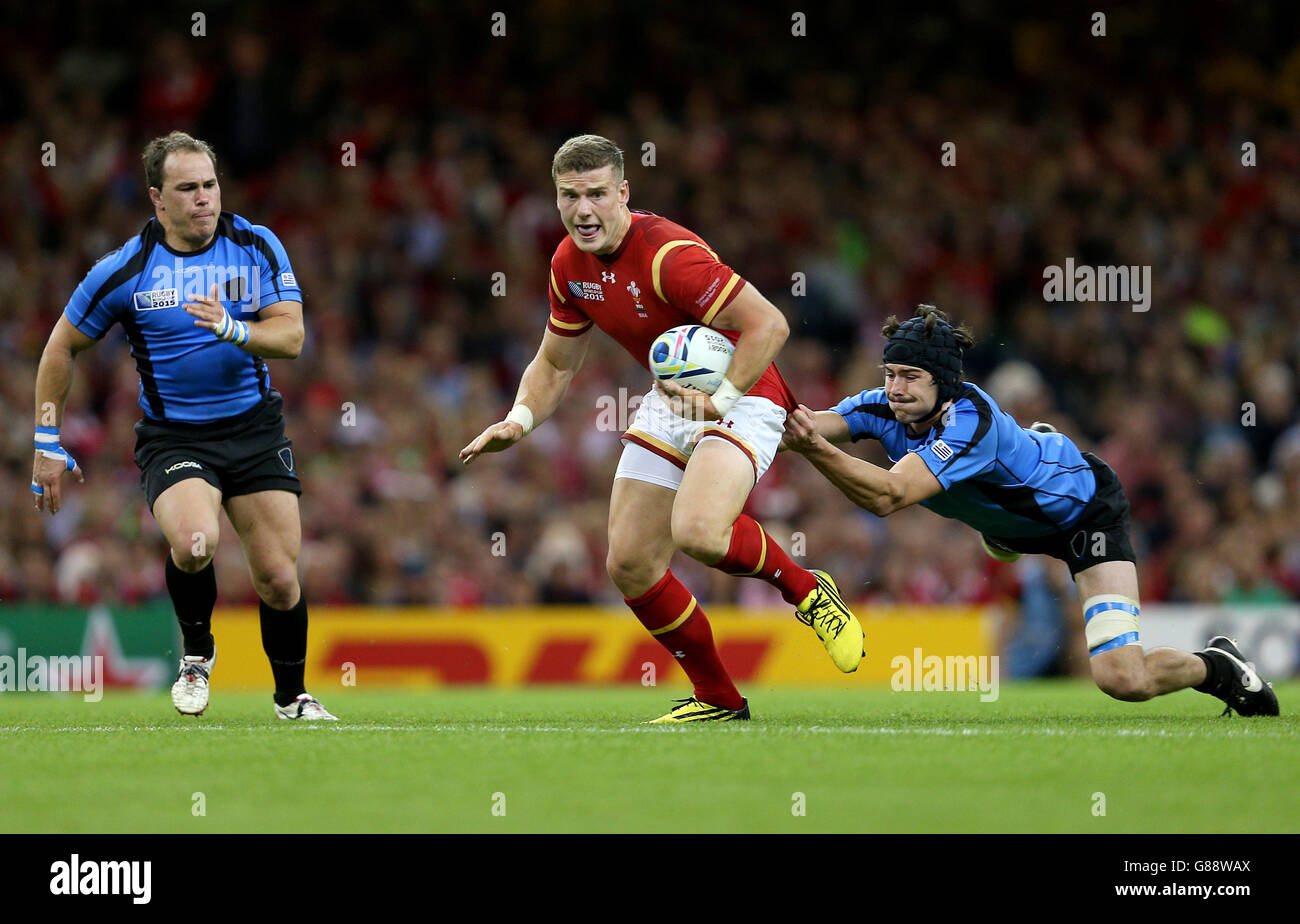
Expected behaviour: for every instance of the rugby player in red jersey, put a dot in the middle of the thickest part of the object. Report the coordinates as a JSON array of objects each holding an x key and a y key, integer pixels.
[{"x": 689, "y": 459}]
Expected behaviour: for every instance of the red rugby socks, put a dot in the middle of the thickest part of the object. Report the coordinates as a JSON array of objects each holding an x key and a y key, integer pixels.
[
  {"x": 753, "y": 553},
  {"x": 671, "y": 614}
]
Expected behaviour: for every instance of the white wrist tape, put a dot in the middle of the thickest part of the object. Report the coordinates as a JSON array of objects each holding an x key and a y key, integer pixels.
[
  {"x": 725, "y": 398},
  {"x": 231, "y": 331},
  {"x": 521, "y": 415}
]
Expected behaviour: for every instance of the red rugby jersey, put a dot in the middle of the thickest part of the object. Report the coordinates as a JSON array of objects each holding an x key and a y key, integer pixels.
[{"x": 661, "y": 276}]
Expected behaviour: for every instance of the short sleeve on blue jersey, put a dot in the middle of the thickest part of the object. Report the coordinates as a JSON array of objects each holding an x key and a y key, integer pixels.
[
  {"x": 277, "y": 282},
  {"x": 867, "y": 413},
  {"x": 967, "y": 447},
  {"x": 98, "y": 300}
]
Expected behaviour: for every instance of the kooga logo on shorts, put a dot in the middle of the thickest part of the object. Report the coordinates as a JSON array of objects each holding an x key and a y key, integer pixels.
[{"x": 172, "y": 468}]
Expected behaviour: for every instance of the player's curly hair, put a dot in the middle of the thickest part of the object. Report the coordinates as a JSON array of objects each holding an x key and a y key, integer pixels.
[
  {"x": 587, "y": 152},
  {"x": 932, "y": 315},
  {"x": 156, "y": 151}
]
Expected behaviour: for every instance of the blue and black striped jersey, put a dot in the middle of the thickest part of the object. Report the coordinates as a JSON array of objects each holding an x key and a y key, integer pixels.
[
  {"x": 998, "y": 477},
  {"x": 187, "y": 374}
]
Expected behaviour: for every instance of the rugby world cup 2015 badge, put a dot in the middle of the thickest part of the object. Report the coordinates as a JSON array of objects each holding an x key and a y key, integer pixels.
[
  {"x": 590, "y": 291},
  {"x": 158, "y": 298}
]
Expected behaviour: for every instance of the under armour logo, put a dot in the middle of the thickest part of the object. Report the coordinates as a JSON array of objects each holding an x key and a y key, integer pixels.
[
  {"x": 679, "y": 654},
  {"x": 606, "y": 277},
  {"x": 636, "y": 293},
  {"x": 729, "y": 423}
]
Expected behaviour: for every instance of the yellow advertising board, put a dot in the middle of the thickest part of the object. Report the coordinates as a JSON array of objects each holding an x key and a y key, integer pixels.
[{"x": 512, "y": 647}]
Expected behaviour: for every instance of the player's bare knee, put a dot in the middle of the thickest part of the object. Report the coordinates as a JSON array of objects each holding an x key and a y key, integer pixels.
[
  {"x": 191, "y": 564},
  {"x": 629, "y": 573},
  {"x": 193, "y": 550},
  {"x": 278, "y": 587},
  {"x": 697, "y": 537}
]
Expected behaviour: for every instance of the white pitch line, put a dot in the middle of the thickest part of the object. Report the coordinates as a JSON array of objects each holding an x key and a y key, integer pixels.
[{"x": 743, "y": 729}]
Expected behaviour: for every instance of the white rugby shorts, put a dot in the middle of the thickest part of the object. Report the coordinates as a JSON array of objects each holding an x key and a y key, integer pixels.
[{"x": 659, "y": 443}]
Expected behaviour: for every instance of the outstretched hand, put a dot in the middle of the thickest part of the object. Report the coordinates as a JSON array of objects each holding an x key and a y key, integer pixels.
[
  {"x": 499, "y": 436},
  {"x": 47, "y": 475}
]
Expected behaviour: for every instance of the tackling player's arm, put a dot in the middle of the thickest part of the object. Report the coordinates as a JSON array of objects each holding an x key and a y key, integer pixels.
[
  {"x": 763, "y": 331},
  {"x": 830, "y": 426},
  {"x": 53, "y": 381},
  {"x": 278, "y": 334},
  {"x": 872, "y": 488},
  {"x": 541, "y": 389}
]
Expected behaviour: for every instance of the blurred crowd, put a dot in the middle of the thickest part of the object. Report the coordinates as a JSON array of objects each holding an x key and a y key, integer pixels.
[{"x": 821, "y": 159}]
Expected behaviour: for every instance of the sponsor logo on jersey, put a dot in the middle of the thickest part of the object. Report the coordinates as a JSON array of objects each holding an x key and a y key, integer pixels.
[
  {"x": 942, "y": 450},
  {"x": 607, "y": 277},
  {"x": 158, "y": 298},
  {"x": 288, "y": 279},
  {"x": 709, "y": 292}
]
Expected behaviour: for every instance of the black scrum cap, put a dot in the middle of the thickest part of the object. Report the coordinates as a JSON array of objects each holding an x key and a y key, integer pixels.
[{"x": 936, "y": 352}]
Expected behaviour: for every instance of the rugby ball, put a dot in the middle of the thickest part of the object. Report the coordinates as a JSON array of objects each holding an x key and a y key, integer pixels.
[{"x": 693, "y": 355}]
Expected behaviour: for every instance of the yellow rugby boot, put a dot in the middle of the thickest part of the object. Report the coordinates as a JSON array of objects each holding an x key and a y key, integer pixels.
[
  {"x": 834, "y": 623},
  {"x": 692, "y": 710}
]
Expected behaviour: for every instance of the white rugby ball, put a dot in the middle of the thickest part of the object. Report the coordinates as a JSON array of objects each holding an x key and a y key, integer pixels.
[{"x": 692, "y": 355}]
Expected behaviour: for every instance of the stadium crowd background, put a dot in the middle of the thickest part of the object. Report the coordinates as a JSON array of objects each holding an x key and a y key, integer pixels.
[{"x": 817, "y": 155}]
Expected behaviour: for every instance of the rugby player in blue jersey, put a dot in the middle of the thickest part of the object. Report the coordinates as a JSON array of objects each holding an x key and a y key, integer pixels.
[
  {"x": 203, "y": 297},
  {"x": 1026, "y": 490}
]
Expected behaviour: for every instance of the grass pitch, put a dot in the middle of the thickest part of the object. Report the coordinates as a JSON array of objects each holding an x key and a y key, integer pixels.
[{"x": 576, "y": 760}]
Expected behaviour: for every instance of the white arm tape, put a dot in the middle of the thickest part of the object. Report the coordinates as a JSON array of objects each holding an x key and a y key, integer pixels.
[
  {"x": 725, "y": 398},
  {"x": 521, "y": 415}
]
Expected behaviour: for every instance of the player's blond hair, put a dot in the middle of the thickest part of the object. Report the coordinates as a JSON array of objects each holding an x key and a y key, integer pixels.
[
  {"x": 156, "y": 151},
  {"x": 588, "y": 152}
]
